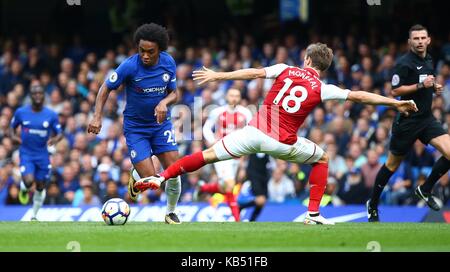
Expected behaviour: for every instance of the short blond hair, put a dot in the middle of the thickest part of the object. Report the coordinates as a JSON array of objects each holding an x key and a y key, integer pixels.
[{"x": 321, "y": 56}]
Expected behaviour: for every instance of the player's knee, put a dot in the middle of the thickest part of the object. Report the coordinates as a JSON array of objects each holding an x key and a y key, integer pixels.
[
  {"x": 229, "y": 185},
  {"x": 447, "y": 156},
  {"x": 209, "y": 155},
  {"x": 144, "y": 168},
  {"x": 40, "y": 186},
  {"x": 442, "y": 143},
  {"x": 324, "y": 158},
  {"x": 446, "y": 152},
  {"x": 260, "y": 201},
  {"x": 28, "y": 180}
]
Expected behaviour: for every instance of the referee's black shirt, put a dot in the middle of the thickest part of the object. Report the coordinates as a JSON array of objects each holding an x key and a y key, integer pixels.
[{"x": 412, "y": 69}]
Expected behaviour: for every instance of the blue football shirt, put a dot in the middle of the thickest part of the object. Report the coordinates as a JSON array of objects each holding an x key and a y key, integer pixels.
[
  {"x": 36, "y": 129},
  {"x": 145, "y": 87}
]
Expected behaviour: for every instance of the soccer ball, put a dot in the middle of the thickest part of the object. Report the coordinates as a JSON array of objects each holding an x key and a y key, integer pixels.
[{"x": 115, "y": 211}]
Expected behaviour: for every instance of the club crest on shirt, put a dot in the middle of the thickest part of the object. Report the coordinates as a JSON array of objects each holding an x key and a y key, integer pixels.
[
  {"x": 133, "y": 154},
  {"x": 166, "y": 77},
  {"x": 113, "y": 77},
  {"x": 45, "y": 124}
]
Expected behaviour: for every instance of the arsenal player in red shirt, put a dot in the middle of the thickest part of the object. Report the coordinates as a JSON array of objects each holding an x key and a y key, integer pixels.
[
  {"x": 221, "y": 122},
  {"x": 294, "y": 94}
]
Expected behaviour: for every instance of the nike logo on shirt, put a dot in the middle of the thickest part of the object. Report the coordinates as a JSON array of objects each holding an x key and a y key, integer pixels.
[{"x": 419, "y": 67}]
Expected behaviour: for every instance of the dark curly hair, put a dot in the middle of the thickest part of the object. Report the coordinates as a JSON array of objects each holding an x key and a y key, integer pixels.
[{"x": 154, "y": 33}]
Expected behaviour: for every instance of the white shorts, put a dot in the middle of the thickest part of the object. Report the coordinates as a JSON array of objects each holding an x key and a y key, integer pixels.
[
  {"x": 226, "y": 170},
  {"x": 250, "y": 140}
]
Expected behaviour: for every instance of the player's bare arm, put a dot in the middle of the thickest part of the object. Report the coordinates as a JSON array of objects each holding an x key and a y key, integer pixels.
[
  {"x": 403, "y": 106},
  {"x": 55, "y": 139},
  {"x": 96, "y": 123},
  {"x": 161, "y": 108},
  {"x": 14, "y": 137},
  {"x": 207, "y": 75},
  {"x": 408, "y": 89}
]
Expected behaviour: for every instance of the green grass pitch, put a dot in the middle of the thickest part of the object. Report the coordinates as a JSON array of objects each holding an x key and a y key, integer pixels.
[{"x": 216, "y": 237}]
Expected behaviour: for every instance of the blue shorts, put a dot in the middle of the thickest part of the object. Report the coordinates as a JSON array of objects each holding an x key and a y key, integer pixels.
[
  {"x": 39, "y": 167},
  {"x": 154, "y": 140}
]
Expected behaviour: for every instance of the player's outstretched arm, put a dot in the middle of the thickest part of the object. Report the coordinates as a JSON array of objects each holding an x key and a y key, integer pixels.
[
  {"x": 403, "y": 106},
  {"x": 208, "y": 75},
  {"x": 96, "y": 123}
]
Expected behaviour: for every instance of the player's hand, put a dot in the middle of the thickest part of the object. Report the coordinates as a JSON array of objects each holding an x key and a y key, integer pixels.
[
  {"x": 204, "y": 76},
  {"x": 428, "y": 82},
  {"x": 16, "y": 140},
  {"x": 406, "y": 106},
  {"x": 52, "y": 141},
  {"x": 438, "y": 89},
  {"x": 95, "y": 125},
  {"x": 161, "y": 112}
]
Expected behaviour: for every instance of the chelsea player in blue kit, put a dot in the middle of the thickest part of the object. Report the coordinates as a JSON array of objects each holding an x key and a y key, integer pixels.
[
  {"x": 37, "y": 124},
  {"x": 149, "y": 78}
]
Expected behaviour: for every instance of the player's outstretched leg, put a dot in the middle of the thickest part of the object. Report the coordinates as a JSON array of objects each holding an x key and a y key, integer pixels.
[
  {"x": 186, "y": 164},
  {"x": 318, "y": 182}
]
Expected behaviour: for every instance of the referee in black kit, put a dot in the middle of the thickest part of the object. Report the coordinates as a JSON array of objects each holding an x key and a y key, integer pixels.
[
  {"x": 259, "y": 176},
  {"x": 414, "y": 79}
]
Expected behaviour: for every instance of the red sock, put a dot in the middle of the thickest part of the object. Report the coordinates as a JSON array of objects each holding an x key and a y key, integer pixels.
[
  {"x": 188, "y": 163},
  {"x": 317, "y": 182},
  {"x": 210, "y": 188},
  {"x": 230, "y": 199}
]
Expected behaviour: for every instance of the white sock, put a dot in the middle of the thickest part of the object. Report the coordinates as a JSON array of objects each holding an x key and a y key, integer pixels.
[
  {"x": 23, "y": 187},
  {"x": 135, "y": 174},
  {"x": 173, "y": 191},
  {"x": 38, "y": 200}
]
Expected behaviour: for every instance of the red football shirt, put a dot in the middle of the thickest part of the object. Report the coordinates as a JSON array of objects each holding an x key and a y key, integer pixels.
[{"x": 294, "y": 94}]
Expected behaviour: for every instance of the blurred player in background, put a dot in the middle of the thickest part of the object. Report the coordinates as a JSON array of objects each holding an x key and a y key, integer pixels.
[
  {"x": 259, "y": 176},
  {"x": 294, "y": 94},
  {"x": 150, "y": 84},
  {"x": 414, "y": 79},
  {"x": 38, "y": 124},
  {"x": 225, "y": 120}
]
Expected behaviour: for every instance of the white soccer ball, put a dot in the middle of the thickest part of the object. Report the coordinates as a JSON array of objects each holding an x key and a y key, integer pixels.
[{"x": 115, "y": 211}]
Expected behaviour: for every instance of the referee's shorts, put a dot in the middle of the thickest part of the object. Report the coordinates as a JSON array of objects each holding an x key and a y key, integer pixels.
[{"x": 406, "y": 131}]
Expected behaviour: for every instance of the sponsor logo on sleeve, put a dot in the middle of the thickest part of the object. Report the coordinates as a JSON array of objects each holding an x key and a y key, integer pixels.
[{"x": 395, "y": 80}]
